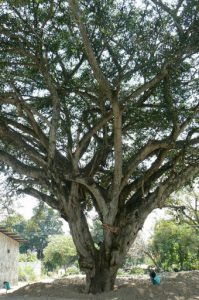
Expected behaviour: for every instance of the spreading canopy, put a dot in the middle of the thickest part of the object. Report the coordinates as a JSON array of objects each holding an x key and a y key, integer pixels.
[{"x": 98, "y": 107}]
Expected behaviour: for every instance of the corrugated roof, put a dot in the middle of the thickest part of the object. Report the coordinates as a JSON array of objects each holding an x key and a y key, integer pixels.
[{"x": 12, "y": 235}]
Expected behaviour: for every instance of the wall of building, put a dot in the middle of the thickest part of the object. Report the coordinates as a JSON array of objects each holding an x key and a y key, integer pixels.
[{"x": 9, "y": 257}]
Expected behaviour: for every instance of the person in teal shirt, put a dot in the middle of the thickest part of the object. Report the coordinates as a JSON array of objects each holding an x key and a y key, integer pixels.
[{"x": 155, "y": 279}]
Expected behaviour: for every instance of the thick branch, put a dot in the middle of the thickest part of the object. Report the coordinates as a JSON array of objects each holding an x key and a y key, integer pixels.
[
  {"x": 78, "y": 224},
  {"x": 93, "y": 188},
  {"x": 22, "y": 107},
  {"x": 156, "y": 171},
  {"x": 172, "y": 13},
  {"x": 51, "y": 201},
  {"x": 149, "y": 85},
  {"x": 165, "y": 144},
  {"x": 54, "y": 124},
  {"x": 17, "y": 140},
  {"x": 83, "y": 142},
  {"x": 145, "y": 180},
  {"x": 117, "y": 128},
  {"x": 149, "y": 148},
  {"x": 88, "y": 48},
  {"x": 21, "y": 168},
  {"x": 195, "y": 111},
  {"x": 175, "y": 182},
  {"x": 98, "y": 160},
  {"x": 172, "y": 111}
]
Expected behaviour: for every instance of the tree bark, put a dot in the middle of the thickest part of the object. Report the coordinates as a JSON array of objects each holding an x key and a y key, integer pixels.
[{"x": 103, "y": 280}]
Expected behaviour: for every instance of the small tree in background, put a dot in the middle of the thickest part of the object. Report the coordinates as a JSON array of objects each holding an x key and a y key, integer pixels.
[
  {"x": 14, "y": 222},
  {"x": 174, "y": 245},
  {"x": 18, "y": 224},
  {"x": 60, "y": 252},
  {"x": 44, "y": 223}
]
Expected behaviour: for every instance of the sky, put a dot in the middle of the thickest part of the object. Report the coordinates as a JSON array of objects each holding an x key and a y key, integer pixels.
[{"x": 25, "y": 207}]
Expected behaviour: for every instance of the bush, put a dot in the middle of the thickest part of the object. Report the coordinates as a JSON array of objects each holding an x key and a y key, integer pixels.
[
  {"x": 22, "y": 275},
  {"x": 122, "y": 272},
  {"x": 26, "y": 274},
  {"x": 59, "y": 252},
  {"x": 28, "y": 257},
  {"x": 73, "y": 270},
  {"x": 138, "y": 271}
]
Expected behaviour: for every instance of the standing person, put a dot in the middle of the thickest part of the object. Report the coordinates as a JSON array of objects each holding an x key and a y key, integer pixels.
[{"x": 155, "y": 279}]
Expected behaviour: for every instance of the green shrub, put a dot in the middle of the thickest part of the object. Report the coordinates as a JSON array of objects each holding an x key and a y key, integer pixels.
[
  {"x": 73, "y": 270},
  {"x": 22, "y": 275},
  {"x": 121, "y": 272},
  {"x": 174, "y": 244},
  {"x": 59, "y": 252},
  {"x": 26, "y": 274},
  {"x": 138, "y": 271},
  {"x": 28, "y": 257}
]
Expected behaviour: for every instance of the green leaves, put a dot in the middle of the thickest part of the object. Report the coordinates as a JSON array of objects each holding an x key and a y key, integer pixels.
[
  {"x": 44, "y": 223},
  {"x": 175, "y": 245},
  {"x": 60, "y": 252},
  {"x": 59, "y": 82}
]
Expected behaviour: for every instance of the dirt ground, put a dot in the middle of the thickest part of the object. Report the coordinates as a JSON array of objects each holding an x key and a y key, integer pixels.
[{"x": 174, "y": 286}]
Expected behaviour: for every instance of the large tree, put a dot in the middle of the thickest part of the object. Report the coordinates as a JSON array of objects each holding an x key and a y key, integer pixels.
[{"x": 99, "y": 103}]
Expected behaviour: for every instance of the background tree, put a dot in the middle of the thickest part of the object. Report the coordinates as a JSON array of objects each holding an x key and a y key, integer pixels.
[
  {"x": 174, "y": 245},
  {"x": 15, "y": 222},
  {"x": 28, "y": 257},
  {"x": 60, "y": 252},
  {"x": 18, "y": 224},
  {"x": 44, "y": 223},
  {"x": 187, "y": 209},
  {"x": 136, "y": 254},
  {"x": 6, "y": 202},
  {"x": 98, "y": 107}
]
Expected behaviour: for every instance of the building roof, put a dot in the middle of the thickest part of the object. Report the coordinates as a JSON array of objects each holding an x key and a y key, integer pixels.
[{"x": 12, "y": 235}]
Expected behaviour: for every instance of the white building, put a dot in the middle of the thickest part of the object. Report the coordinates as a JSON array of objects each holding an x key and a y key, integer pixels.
[{"x": 9, "y": 256}]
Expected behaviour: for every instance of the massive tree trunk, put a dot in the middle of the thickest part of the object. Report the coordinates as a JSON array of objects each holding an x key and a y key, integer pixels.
[
  {"x": 101, "y": 263},
  {"x": 101, "y": 268},
  {"x": 102, "y": 276}
]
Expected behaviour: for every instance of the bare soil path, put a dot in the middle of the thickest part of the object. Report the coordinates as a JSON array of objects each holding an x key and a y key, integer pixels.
[{"x": 174, "y": 286}]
